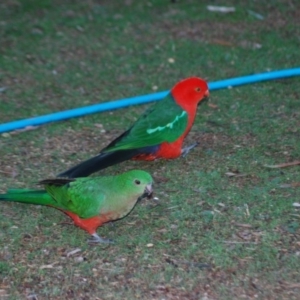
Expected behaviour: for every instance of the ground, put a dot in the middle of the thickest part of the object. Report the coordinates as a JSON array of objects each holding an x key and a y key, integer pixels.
[{"x": 225, "y": 225}]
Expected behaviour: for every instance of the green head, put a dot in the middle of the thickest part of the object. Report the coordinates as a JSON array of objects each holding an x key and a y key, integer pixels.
[{"x": 137, "y": 182}]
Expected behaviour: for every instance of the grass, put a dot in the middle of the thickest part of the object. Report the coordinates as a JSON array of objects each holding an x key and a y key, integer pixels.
[{"x": 211, "y": 235}]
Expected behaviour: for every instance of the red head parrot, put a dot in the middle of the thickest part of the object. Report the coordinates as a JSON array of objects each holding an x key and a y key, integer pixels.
[{"x": 158, "y": 133}]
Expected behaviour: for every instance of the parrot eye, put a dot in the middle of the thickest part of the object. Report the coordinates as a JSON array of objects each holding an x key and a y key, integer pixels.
[
  {"x": 197, "y": 89},
  {"x": 137, "y": 182}
]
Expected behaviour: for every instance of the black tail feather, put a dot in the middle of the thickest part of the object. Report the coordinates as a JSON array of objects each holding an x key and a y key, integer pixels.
[
  {"x": 56, "y": 181},
  {"x": 99, "y": 162}
]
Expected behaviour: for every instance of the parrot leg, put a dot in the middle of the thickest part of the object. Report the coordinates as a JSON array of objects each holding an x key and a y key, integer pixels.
[
  {"x": 97, "y": 239},
  {"x": 186, "y": 150}
]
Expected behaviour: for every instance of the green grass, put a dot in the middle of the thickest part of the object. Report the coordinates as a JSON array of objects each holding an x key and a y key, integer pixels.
[{"x": 213, "y": 235}]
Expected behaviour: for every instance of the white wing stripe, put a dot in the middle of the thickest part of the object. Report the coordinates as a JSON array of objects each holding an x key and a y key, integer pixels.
[{"x": 169, "y": 125}]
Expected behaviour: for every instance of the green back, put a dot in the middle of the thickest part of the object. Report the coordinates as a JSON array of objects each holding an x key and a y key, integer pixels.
[{"x": 165, "y": 121}]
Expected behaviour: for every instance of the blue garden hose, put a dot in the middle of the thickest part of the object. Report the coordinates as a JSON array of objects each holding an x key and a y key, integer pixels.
[{"x": 91, "y": 109}]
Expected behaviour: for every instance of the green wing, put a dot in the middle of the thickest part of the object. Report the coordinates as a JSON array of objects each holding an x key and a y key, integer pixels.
[
  {"x": 165, "y": 121},
  {"x": 85, "y": 196}
]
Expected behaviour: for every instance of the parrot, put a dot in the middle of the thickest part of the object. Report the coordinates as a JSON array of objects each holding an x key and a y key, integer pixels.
[
  {"x": 89, "y": 201},
  {"x": 158, "y": 133}
]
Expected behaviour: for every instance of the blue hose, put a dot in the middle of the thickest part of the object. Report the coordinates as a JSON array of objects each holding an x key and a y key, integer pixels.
[{"x": 77, "y": 112}]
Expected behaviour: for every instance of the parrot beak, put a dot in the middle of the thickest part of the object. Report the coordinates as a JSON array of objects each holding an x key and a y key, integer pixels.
[
  {"x": 206, "y": 95},
  {"x": 148, "y": 190}
]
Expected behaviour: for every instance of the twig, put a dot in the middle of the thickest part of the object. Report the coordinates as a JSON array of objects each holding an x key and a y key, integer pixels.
[
  {"x": 247, "y": 210},
  {"x": 73, "y": 252},
  {"x": 173, "y": 207},
  {"x": 242, "y": 225},
  {"x": 284, "y": 165},
  {"x": 289, "y": 185},
  {"x": 234, "y": 242},
  {"x": 4, "y": 172}
]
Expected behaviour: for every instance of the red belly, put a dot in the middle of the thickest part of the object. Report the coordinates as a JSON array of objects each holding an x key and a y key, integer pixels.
[{"x": 166, "y": 150}]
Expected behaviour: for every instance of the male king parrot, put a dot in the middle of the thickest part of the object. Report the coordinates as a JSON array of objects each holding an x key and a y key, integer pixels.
[{"x": 158, "y": 133}]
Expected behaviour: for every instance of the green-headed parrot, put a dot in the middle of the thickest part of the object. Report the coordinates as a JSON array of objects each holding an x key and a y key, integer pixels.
[{"x": 90, "y": 201}]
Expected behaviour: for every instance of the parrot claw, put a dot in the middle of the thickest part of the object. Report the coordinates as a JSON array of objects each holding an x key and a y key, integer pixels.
[
  {"x": 186, "y": 150},
  {"x": 97, "y": 239}
]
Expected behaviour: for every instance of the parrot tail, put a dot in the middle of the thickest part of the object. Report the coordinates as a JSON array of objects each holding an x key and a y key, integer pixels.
[
  {"x": 99, "y": 162},
  {"x": 37, "y": 197}
]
